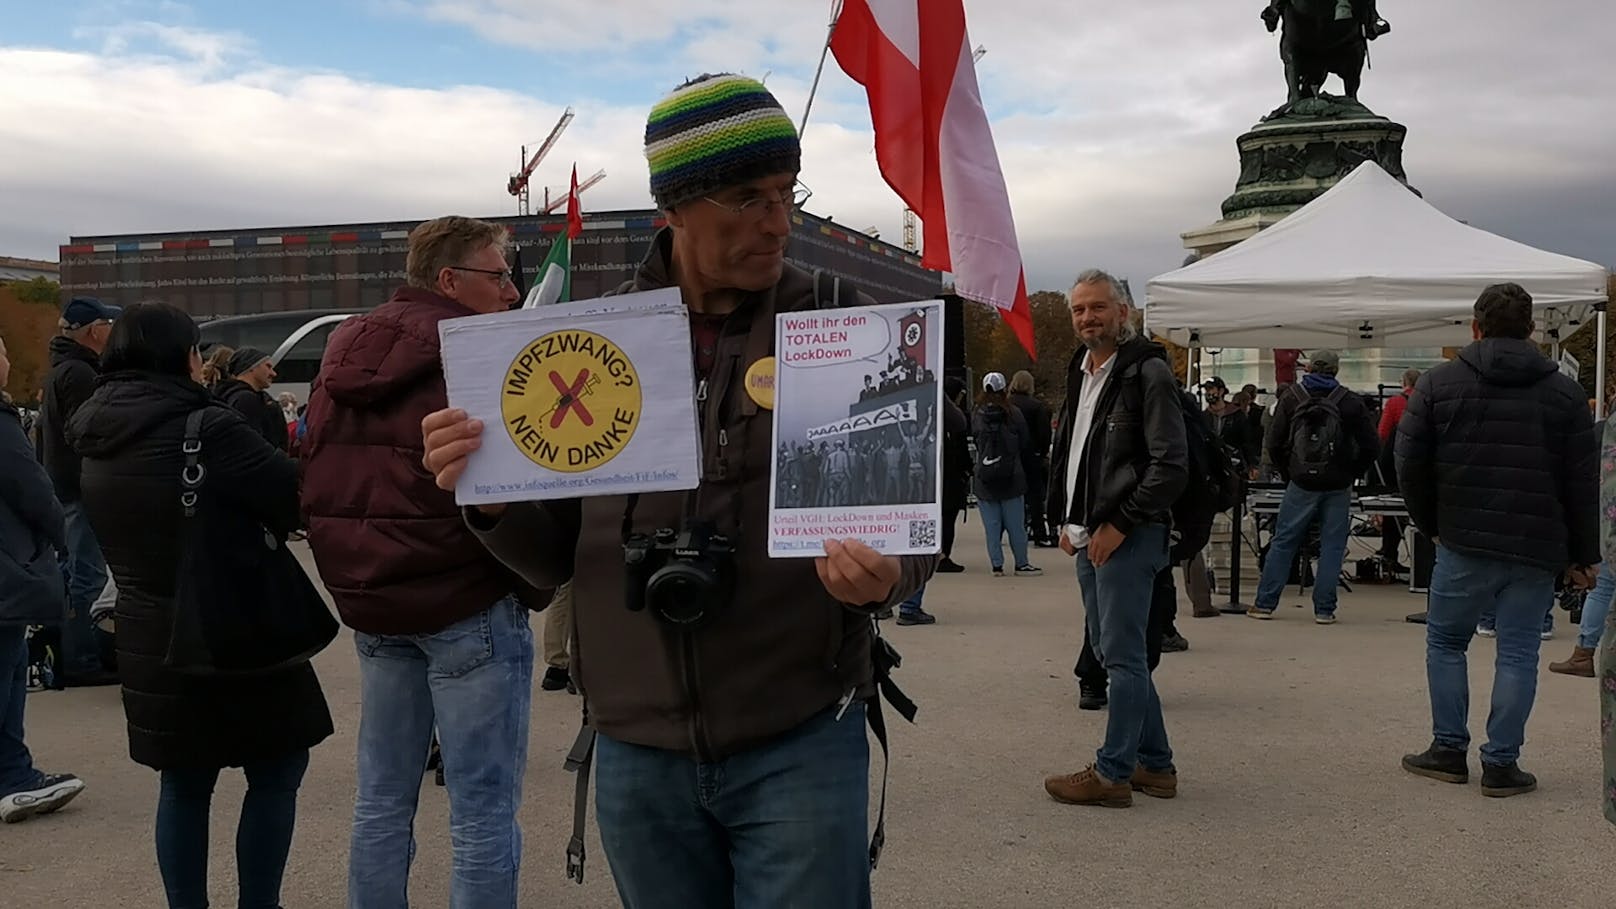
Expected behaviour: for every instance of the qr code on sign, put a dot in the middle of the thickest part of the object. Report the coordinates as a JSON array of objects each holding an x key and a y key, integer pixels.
[{"x": 922, "y": 534}]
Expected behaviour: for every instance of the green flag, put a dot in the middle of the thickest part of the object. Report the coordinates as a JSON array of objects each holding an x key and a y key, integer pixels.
[{"x": 559, "y": 259}]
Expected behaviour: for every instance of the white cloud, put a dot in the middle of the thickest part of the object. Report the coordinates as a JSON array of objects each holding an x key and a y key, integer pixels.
[{"x": 1115, "y": 123}]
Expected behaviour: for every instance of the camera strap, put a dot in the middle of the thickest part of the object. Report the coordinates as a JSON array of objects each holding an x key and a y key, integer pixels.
[
  {"x": 579, "y": 759},
  {"x": 886, "y": 659}
]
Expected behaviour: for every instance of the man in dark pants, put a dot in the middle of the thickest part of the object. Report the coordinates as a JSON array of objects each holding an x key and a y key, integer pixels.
[
  {"x": 1090, "y": 672},
  {"x": 1036, "y": 413},
  {"x": 956, "y": 472}
]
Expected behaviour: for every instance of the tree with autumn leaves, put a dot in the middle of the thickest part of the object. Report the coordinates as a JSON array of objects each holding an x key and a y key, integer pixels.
[{"x": 29, "y": 311}]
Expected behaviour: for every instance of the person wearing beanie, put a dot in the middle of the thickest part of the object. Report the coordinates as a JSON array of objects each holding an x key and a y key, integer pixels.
[
  {"x": 725, "y": 748},
  {"x": 245, "y": 388}
]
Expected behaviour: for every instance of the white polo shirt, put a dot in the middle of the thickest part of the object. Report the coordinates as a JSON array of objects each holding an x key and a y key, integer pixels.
[{"x": 1082, "y": 421}]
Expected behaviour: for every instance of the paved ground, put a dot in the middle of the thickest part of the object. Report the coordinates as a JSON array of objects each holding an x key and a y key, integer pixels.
[{"x": 1287, "y": 736}]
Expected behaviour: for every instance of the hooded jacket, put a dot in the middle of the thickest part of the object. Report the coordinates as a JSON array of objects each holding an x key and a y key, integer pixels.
[
  {"x": 1136, "y": 460},
  {"x": 31, "y": 527},
  {"x": 130, "y": 433},
  {"x": 391, "y": 546},
  {"x": 1497, "y": 457},
  {"x": 70, "y": 382},
  {"x": 782, "y": 650},
  {"x": 257, "y": 408},
  {"x": 1356, "y": 422}
]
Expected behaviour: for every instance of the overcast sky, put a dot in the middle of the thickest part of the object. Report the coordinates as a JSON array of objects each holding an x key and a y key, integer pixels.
[{"x": 1115, "y": 121}]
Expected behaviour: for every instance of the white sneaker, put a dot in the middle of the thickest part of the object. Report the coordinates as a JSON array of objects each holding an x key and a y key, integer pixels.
[
  {"x": 54, "y": 791},
  {"x": 1487, "y": 632}
]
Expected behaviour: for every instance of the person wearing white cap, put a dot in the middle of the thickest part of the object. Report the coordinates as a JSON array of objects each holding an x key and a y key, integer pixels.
[{"x": 1003, "y": 449}]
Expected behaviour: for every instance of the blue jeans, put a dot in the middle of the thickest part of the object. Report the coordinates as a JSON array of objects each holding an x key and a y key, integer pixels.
[
  {"x": 86, "y": 572},
  {"x": 998, "y": 516},
  {"x": 911, "y": 606},
  {"x": 474, "y": 680},
  {"x": 263, "y": 835},
  {"x": 783, "y": 824},
  {"x": 16, "y": 764},
  {"x": 1116, "y": 611},
  {"x": 1461, "y": 586},
  {"x": 1596, "y": 608},
  {"x": 1296, "y": 514},
  {"x": 1489, "y": 616}
]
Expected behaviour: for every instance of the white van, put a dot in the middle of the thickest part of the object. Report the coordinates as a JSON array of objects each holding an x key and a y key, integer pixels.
[{"x": 295, "y": 342}]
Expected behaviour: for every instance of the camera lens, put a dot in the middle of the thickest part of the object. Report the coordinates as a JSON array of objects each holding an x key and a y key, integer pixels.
[{"x": 681, "y": 593}]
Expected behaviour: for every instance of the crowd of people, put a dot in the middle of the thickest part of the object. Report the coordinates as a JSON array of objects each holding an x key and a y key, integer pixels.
[
  {"x": 888, "y": 466},
  {"x": 726, "y": 714}
]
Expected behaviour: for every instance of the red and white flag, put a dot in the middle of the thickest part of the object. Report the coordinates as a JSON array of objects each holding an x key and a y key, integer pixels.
[{"x": 934, "y": 145}]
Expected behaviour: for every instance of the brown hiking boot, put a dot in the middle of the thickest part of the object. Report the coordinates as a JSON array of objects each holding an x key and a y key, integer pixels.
[
  {"x": 1088, "y": 787},
  {"x": 1581, "y": 663},
  {"x": 1157, "y": 785}
]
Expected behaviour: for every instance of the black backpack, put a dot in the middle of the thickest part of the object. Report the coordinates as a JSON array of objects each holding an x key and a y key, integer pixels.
[
  {"x": 996, "y": 450},
  {"x": 1321, "y": 449},
  {"x": 1215, "y": 483}
]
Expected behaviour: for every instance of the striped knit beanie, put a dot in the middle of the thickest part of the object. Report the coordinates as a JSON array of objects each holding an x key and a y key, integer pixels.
[{"x": 717, "y": 131}]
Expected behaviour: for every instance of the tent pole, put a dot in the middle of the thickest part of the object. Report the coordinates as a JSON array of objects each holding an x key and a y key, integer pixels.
[{"x": 1599, "y": 368}]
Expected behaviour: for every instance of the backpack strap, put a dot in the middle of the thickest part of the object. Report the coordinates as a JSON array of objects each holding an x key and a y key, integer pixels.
[
  {"x": 1337, "y": 395},
  {"x": 192, "y": 475}
]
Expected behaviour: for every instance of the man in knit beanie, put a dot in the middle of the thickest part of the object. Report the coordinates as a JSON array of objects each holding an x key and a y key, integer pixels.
[
  {"x": 734, "y": 764},
  {"x": 247, "y": 391}
]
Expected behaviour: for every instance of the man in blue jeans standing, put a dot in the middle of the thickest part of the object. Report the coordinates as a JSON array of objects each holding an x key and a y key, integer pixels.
[
  {"x": 729, "y": 718},
  {"x": 75, "y": 358},
  {"x": 1498, "y": 463},
  {"x": 1320, "y": 440},
  {"x": 1120, "y": 462},
  {"x": 443, "y": 639}
]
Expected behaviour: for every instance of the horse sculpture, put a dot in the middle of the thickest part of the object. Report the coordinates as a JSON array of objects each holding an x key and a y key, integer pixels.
[{"x": 1322, "y": 37}]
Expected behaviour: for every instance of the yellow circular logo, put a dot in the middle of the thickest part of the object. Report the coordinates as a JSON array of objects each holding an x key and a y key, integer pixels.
[
  {"x": 571, "y": 401},
  {"x": 760, "y": 383}
]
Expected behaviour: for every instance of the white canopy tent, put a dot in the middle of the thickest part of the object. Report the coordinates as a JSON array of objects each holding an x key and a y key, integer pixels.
[{"x": 1367, "y": 264}]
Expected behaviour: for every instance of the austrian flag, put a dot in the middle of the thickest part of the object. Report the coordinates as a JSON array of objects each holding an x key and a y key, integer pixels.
[{"x": 934, "y": 145}]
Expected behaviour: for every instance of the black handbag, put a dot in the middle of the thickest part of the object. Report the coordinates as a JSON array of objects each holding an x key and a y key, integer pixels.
[{"x": 242, "y": 603}]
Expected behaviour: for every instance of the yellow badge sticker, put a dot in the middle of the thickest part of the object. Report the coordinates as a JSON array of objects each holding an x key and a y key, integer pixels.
[
  {"x": 571, "y": 401},
  {"x": 760, "y": 382}
]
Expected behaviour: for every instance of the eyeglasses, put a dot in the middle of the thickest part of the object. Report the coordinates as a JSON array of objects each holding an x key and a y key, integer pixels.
[
  {"x": 755, "y": 210},
  {"x": 502, "y": 276}
]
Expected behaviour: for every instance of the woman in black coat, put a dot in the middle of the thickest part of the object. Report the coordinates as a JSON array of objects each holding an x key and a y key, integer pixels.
[{"x": 130, "y": 434}]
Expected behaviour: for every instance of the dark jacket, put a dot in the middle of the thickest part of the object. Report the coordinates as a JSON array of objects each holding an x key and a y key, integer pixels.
[
  {"x": 130, "y": 434},
  {"x": 1497, "y": 457},
  {"x": 782, "y": 651},
  {"x": 32, "y": 528},
  {"x": 1036, "y": 413},
  {"x": 70, "y": 382},
  {"x": 988, "y": 418},
  {"x": 257, "y": 408},
  {"x": 1357, "y": 423},
  {"x": 391, "y": 546},
  {"x": 1136, "y": 460},
  {"x": 1233, "y": 429}
]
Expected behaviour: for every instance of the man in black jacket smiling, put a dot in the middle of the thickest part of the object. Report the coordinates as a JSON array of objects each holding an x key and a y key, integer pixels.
[
  {"x": 1498, "y": 463},
  {"x": 1120, "y": 462}
]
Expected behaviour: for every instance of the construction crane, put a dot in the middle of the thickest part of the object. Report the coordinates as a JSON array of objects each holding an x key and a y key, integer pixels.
[
  {"x": 559, "y": 200},
  {"x": 911, "y": 239},
  {"x": 518, "y": 184}
]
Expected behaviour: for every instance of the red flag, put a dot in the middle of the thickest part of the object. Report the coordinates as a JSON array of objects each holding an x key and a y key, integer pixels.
[
  {"x": 575, "y": 218},
  {"x": 934, "y": 146},
  {"x": 912, "y": 342}
]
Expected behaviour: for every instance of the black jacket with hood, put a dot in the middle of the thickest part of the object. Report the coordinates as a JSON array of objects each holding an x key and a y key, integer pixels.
[
  {"x": 70, "y": 382},
  {"x": 1497, "y": 457},
  {"x": 130, "y": 433},
  {"x": 1136, "y": 461}
]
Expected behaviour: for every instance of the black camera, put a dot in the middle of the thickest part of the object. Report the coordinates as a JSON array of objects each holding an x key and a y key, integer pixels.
[{"x": 684, "y": 577}]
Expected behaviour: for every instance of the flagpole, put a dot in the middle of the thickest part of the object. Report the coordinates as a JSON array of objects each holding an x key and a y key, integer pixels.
[{"x": 830, "y": 32}]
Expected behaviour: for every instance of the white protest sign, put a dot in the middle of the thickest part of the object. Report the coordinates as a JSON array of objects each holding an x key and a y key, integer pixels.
[
  {"x": 857, "y": 429},
  {"x": 578, "y": 399}
]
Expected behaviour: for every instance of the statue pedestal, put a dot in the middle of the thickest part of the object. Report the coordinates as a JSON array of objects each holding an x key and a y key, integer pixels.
[{"x": 1296, "y": 154}]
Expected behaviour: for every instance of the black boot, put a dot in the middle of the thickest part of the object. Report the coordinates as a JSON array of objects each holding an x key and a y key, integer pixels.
[
  {"x": 1504, "y": 780},
  {"x": 1091, "y": 698},
  {"x": 555, "y": 679},
  {"x": 1439, "y": 762}
]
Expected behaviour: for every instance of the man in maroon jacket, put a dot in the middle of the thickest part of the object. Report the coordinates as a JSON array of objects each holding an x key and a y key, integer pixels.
[{"x": 443, "y": 639}]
